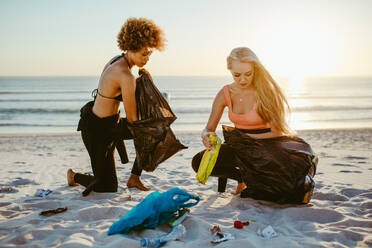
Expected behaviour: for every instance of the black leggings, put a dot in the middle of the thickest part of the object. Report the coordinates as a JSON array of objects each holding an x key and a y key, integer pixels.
[
  {"x": 101, "y": 151},
  {"x": 225, "y": 167}
]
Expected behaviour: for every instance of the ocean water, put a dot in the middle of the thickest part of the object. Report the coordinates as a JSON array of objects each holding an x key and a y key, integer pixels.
[{"x": 52, "y": 104}]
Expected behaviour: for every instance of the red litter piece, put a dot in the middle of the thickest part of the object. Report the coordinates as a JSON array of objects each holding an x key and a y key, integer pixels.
[{"x": 238, "y": 224}]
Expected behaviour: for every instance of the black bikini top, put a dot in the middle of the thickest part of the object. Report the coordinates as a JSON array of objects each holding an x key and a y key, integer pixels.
[{"x": 95, "y": 92}]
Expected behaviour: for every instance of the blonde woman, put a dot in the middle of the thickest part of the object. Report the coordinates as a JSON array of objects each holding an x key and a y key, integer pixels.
[{"x": 259, "y": 152}]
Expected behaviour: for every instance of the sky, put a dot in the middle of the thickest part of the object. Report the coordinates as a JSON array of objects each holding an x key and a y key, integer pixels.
[{"x": 291, "y": 38}]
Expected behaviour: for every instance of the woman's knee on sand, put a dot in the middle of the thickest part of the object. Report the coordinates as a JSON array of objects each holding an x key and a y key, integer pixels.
[{"x": 196, "y": 161}]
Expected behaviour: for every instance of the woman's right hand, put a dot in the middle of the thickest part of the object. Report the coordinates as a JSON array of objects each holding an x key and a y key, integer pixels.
[{"x": 205, "y": 138}]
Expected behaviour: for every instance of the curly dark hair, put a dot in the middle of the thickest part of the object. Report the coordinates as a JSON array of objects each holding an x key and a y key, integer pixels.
[{"x": 137, "y": 33}]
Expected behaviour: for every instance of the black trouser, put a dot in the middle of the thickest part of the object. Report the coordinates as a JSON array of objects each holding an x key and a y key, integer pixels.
[
  {"x": 98, "y": 135},
  {"x": 225, "y": 167}
]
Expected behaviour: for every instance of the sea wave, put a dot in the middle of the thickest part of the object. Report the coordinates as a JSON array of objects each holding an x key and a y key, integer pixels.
[
  {"x": 176, "y": 110},
  {"x": 294, "y": 109},
  {"x": 46, "y": 100},
  {"x": 37, "y": 111},
  {"x": 330, "y": 108},
  {"x": 22, "y": 92},
  {"x": 32, "y": 125}
]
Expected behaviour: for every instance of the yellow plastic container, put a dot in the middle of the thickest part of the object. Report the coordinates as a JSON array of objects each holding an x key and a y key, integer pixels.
[{"x": 209, "y": 159}]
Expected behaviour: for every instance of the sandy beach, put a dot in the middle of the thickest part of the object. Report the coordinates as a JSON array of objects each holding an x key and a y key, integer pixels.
[{"x": 339, "y": 215}]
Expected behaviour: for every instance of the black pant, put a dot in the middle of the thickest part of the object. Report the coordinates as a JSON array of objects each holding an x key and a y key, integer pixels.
[
  {"x": 225, "y": 167},
  {"x": 99, "y": 136}
]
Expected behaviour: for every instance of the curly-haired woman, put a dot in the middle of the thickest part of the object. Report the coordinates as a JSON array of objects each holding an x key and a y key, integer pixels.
[
  {"x": 259, "y": 152},
  {"x": 137, "y": 39}
]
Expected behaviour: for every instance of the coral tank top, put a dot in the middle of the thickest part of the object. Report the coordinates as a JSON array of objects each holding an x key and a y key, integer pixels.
[{"x": 244, "y": 121}]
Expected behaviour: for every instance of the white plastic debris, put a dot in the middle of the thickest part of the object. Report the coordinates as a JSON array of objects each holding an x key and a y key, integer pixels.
[
  {"x": 267, "y": 233},
  {"x": 176, "y": 233},
  {"x": 43, "y": 192},
  {"x": 218, "y": 236}
]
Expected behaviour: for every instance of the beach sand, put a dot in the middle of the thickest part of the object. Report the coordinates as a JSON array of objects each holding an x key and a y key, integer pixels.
[{"x": 339, "y": 215}]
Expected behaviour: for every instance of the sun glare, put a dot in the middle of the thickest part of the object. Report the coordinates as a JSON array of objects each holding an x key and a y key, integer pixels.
[{"x": 299, "y": 49}]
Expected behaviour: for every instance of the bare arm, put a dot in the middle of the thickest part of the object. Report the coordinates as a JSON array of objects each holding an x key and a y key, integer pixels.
[
  {"x": 217, "y": 110},
  {"x": 128, "y": 90}
]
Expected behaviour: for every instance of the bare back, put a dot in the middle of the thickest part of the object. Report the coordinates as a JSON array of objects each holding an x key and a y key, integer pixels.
[{"x": 115, "y": 79}]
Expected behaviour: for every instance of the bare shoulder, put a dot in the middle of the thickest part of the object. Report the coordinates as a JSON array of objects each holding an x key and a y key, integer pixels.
[
  {"x": 126, "y": 78},
  {"x": 120, "y": 74},
  {"x": 220, "y": 97}
]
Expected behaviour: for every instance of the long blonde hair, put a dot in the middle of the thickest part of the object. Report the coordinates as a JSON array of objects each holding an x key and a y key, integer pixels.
[{"x": 272, "y": 105}]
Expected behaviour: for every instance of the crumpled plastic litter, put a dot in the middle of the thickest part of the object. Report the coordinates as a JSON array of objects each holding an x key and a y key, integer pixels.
[
  {"x": 239, "y": 225},
  {"x": 133, "y": 197},
  {"x": 43, "y": 192},
  {"x": 267, "y": 233},
  {"x": 178, "y": 219},
  {"x": 218, "y": 236},
  {"x": 177, "y": 233}
]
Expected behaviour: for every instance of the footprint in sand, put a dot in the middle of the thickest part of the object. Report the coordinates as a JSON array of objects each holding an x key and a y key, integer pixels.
[
  {"x": 325, "y": 155},
  {"x": 350, "y": 192},
  {"x": 314, "y": 215},
  {"x": 355, "y": 158},
  {"x": 22, "y": 181},
  {"x": 329, "y": 196},
  {"x": 21, "y": 172},
  {"x": 348, "y": 171},
  {"x": 43, "y": 204},
  {"x": 345, "y": 165},
  {"x": 94, "y": 213},
  {"x": 19, "y": 162}
]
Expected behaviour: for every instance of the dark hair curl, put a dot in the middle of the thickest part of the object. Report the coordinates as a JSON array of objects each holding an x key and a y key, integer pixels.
[{"x": 137, "y": 33}]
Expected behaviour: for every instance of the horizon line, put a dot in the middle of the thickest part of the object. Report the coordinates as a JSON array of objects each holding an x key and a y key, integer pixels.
[{"x": 219, "y": 75}]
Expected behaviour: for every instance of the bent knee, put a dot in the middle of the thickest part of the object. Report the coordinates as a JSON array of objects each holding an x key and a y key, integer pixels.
[{"x": 196, "y": 161}]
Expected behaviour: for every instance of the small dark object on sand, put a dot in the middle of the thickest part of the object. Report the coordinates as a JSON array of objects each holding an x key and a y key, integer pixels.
[{"x": 53, "y": 211}]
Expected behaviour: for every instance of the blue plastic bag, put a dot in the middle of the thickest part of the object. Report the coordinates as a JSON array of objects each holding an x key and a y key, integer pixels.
[{"x": 156, "y": 209}]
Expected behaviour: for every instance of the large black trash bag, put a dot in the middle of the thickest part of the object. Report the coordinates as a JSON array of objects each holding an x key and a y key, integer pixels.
[
  {"x": 274, "y": 169},
  {"x": 153, "y": 138}
]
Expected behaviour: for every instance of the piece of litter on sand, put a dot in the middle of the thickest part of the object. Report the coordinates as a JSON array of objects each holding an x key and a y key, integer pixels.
[
  {"x": 218, "y": 236},
  {"x": 177, "y": 233},
  {"x": 8, "y": 190},
  {"x": 43, "y": 192},
  {"x": 53, "y": 211},
  {"x": 239, "y": 224},
  {"x": 133, "y": 197},
  {"x": 267, "y": 233},
  {"x": 136, "y": 198}
]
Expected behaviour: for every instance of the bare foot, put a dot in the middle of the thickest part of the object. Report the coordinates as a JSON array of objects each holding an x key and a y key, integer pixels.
[
  {"x": 239, "y": 188},
  {"x": 134, "y": 181},
  {"x": 70, "y": 178}
]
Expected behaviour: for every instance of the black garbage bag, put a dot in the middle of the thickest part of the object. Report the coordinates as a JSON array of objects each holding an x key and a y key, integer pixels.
[
  {"x": 275, "y": 169},
  {"x": 153, "y": 138}
]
